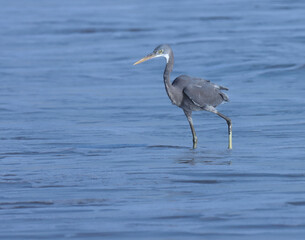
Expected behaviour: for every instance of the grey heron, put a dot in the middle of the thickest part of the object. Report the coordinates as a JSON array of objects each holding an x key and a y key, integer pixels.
[{"x": 190, "y": 93}]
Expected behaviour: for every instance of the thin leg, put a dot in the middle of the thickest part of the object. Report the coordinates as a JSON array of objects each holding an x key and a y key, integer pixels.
[
  {"x": 228, "y": 120},
  {"x": 190, "y": 120}
]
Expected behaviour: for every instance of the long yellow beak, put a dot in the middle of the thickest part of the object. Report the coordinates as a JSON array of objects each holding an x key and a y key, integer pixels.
[{"x": 149, "y": 56}]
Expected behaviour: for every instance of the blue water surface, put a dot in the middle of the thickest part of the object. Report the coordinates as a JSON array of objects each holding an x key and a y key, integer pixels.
[{"x": 91, "y": 148}]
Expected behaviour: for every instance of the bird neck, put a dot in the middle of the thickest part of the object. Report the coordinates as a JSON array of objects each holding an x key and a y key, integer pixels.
[{"x": 166, "y": 76}]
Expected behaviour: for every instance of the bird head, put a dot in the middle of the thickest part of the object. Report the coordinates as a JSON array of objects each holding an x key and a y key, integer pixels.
[{"x": 163, "y": 50}]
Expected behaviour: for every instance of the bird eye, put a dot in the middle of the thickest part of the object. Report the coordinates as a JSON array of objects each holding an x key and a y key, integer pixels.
[{"x": 160, "y": 51}]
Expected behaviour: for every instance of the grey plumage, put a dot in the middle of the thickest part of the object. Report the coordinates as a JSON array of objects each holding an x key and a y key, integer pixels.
[
  {"x": 190, "y": 93},
  {"x": 201, "y": 92}
]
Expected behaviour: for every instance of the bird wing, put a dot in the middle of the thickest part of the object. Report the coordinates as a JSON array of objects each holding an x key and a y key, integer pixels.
[
  {"x": 204, "y": 93},
  {"x": 203, "y": 82}
]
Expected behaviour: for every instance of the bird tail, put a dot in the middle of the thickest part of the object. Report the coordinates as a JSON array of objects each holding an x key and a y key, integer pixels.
[
  {"x": 223, "y": 88},
  {"x": 224, "y": 97},
  {"x": 220, "y": 87}
]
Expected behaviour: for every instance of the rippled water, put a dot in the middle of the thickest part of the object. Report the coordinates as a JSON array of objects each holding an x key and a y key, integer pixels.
[{"x": 91, "y": 147}]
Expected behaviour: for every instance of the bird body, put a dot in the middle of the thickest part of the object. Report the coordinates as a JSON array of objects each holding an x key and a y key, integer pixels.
[
  {"x": 198, "y": 93},
  {"x": 190, "y": 93}
]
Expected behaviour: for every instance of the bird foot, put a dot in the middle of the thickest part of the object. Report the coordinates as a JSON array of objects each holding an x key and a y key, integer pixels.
[
  {"x": 195, "y": 143},
  {"x": 230, "y": 141}
]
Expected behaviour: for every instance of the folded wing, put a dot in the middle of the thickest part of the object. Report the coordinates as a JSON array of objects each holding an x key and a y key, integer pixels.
[{"x": 204, "y": 93}]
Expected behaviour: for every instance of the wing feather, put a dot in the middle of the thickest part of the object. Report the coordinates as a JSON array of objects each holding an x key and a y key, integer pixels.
[{"x": 205, "y": 93}]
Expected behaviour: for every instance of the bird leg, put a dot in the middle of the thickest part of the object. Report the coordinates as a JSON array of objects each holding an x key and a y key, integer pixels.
[
  {"x": 190, "y": 120},
  {"x": 228, "y": 120}
]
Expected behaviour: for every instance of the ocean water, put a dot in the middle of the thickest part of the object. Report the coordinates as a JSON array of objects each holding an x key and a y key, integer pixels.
[{"x": 91, "y": 147}]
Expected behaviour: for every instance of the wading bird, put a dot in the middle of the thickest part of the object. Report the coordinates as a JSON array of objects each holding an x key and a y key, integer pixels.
[{"x": 190, "y": 93}]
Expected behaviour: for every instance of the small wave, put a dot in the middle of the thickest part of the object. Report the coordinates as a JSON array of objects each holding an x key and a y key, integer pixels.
[
  {"x": 297, "y": 203},
  {"x": 24, "y": 204},
  {"x": 219, "y": 18},
  {"x": 178, "y": 217},
  {"x": 167, "y": 146},
  {"x": 5, "y": 110},
  {"x": 92, "y": 30},
  {"x": 280, "y": 66},
  {"x": 213, "y": 161},
  {"x": 198, "y": 181}
]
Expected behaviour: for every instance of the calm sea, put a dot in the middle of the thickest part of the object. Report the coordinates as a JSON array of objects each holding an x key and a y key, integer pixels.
[{"x": 91, "y": 148}]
